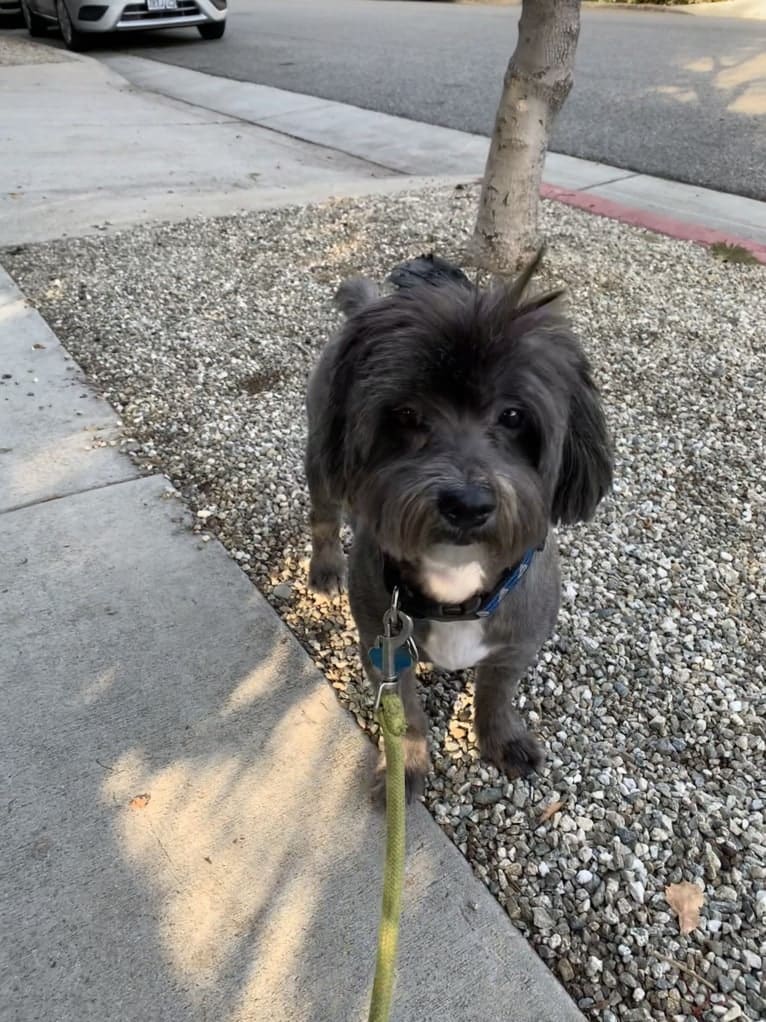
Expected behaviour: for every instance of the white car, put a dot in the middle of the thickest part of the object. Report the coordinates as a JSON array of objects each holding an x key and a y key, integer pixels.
[{"x": 79, "y": 20}]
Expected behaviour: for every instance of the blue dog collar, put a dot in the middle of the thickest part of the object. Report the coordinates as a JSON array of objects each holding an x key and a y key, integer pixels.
[
  {"x": 508, "y": 582},
  {"x": 420, "y": 607}
]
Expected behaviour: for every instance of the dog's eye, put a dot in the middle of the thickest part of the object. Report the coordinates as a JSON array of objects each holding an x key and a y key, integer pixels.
[
  {"x": 512, "y": 418},
  {"x": 406, "y": 417}
]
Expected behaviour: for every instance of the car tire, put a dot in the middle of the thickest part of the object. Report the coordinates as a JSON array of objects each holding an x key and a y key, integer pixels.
[
  {"x": 73, "y": 39},
  {"x": 212, "y": 29},
  {"x": 36, "y": 26}
]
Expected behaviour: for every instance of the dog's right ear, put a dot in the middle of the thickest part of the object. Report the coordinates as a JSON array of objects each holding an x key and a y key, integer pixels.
[{"x": 341, "y": 435}]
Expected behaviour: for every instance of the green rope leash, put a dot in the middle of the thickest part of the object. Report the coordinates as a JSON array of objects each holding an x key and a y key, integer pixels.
[{"x": 393, "y": 725}]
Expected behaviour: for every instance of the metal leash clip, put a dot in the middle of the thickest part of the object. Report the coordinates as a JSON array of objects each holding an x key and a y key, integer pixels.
[{"x": 394, "y": 651}]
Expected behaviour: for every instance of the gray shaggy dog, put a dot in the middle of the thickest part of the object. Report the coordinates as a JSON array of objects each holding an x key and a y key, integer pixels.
[{"x": 455, "y": 426}]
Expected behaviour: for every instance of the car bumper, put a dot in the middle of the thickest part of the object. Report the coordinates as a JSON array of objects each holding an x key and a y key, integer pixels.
[{"x": 134, "y": 14}]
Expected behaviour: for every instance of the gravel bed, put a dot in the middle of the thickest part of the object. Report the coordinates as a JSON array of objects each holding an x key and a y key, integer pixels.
[{"x": 650, "y": 697}]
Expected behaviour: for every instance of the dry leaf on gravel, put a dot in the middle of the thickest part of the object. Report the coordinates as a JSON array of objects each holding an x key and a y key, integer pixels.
[
  {"x": 551, "y": 810},
  {"x": 140, "y": 801},
  {"x": 686, "y": 900}
]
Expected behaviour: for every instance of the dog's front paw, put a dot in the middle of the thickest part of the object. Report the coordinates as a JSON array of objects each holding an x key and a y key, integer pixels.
[
  {"x": 417, "y": 763},
  {"x": 327, "y": 572},
  {"x": 518, "y": 756}
]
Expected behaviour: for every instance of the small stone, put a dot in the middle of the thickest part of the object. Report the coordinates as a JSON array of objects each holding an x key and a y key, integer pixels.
[
  {"x": 541, "y": 919},
  {"x": 594, "y": 965},
  {"x": 712, "y": 862},
  {"x": 637, "y": 891},
  {"x": 725, "y": 983},
  {"x": 283, "y": 591},
  {"x": 584, "y": 877},
  {"x": 751, "y": 960},
  {"x": 487, "y": 796},
  {"x": 628, "y": 837},
  {"x": 520, "y": 796},
  {"x": 565, "y": 970}
]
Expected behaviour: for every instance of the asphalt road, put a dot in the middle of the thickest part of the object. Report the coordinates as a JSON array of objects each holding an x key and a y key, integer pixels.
[{"x": 664, "y": 93}]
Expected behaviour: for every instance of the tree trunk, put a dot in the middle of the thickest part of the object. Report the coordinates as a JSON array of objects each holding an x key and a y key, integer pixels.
[{"x": 537, "y": 82}]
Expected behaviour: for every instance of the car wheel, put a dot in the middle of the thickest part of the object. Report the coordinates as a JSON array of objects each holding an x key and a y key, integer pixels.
[
  {"x": 36, "y": 25},
  {"x": 212, "y": 29},
  {"x": 73, "y": 40}
]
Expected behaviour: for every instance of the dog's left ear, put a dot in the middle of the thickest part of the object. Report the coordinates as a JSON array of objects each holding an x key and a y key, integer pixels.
[{"x": 585, "y": 473}]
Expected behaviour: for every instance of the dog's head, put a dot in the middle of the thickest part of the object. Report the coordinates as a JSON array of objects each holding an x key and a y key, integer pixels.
[{"x": 464, "y": 417}]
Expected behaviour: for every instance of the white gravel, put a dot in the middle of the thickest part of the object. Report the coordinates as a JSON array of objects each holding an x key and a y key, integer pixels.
[{"x": 650, "y": 698}]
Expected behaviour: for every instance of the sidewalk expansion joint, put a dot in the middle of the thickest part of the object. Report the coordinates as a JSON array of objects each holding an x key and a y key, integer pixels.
[
  {"x": 610, "y": 181},
  {"x": 76, "y": 493},
  {"x": 238, "y": 118}
]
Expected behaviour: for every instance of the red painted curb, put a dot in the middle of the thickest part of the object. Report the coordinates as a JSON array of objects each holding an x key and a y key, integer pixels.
[{"x": 656, "y": 222}]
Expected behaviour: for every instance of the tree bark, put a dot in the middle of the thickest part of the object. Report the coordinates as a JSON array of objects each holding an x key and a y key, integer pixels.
[{"x": 537, "y": 81}]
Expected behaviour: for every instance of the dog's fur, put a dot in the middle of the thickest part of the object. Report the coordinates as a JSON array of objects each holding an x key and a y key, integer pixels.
[{"x": 406, "y": 403}]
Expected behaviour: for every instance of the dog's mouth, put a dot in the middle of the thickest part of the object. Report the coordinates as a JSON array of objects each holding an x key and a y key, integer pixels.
[
  {"x": 464, "y": 538},
  {"x": 454, "y": 535}
]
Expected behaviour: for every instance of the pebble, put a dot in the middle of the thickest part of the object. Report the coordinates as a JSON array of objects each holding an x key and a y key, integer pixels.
[
  {"x": 637, "y": 891},
  {"x": 487, "y": 796},
  {"x": 751, "y": 960},
  {"x": 541, "y": 919}
]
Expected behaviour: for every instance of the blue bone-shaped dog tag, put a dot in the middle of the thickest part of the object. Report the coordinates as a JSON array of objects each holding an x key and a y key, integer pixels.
[{"x": 402, "y": 658}]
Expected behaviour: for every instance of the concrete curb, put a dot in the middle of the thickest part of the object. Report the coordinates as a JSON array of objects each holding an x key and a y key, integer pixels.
[
  {"x": 412, "y": 148},
  {"x": 657, "y": 222}
]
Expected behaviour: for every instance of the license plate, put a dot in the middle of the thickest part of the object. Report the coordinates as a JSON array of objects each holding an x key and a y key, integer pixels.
[{"x": 161, "y": 5}]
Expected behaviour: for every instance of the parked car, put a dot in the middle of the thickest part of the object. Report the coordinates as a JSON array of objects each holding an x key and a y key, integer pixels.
[{"x": 80, "y": 20}]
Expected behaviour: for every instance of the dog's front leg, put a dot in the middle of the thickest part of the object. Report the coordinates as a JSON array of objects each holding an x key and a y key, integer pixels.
[
  {"x": 327, "y": 568},
  {"x": 417, "y": 762},
  {"x": 503, "y": 738}
]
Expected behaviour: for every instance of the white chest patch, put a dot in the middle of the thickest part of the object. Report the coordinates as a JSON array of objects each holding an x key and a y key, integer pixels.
[
  {"x": 455, "y": 645},
  {"x": 452, "y": 574}
]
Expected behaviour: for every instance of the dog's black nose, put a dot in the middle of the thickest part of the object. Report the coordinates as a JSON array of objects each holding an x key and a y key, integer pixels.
[{"x": 466, "y": 507}]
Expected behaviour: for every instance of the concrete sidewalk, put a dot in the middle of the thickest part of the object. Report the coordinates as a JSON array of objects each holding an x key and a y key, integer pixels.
[{"x": 70, "y": 132}]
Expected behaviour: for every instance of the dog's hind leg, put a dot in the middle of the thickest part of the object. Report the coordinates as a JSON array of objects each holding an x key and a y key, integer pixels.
[{"x": 503, "y": 738}]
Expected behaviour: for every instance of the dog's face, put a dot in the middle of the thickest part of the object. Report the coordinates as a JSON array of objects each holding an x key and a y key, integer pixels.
[{"x": 460, "y": 420}]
